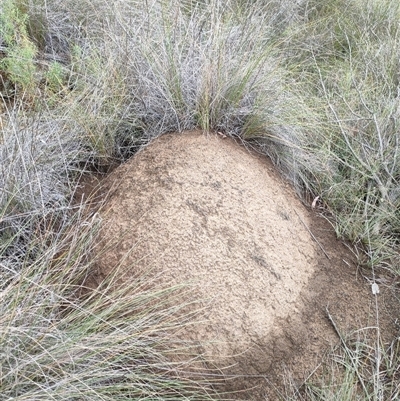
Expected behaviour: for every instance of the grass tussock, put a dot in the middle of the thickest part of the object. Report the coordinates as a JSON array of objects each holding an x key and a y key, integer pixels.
[
  {"x": 59, "y": 342},
  {"x": 361, "y": 368},
  {"x": 84, "y": 84},
  {"x": 353, "y": 71}
]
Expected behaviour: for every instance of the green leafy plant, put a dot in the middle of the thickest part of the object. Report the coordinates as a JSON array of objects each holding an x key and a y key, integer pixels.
[
  {"x": 55, "y": 77},
  {"x": 19, "y": 61}
]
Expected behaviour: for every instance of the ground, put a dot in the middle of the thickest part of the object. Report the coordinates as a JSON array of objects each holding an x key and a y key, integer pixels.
[{"x": 262, "y": 269}]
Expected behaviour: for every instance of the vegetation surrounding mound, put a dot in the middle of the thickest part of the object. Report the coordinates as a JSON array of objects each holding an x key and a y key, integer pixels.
[{"x": 84, "y": 84}]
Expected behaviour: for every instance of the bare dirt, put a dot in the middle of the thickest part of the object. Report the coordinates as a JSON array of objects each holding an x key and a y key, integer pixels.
[{"x": 203, "y": 210}]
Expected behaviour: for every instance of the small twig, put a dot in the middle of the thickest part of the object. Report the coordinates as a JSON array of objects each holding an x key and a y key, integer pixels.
[
  {"x": 312, "y": 235},
  {"x": 335, "y": 328}
]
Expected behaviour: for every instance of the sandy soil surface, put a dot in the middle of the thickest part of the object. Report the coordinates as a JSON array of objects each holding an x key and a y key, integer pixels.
[{"x": 203, "y": 210}]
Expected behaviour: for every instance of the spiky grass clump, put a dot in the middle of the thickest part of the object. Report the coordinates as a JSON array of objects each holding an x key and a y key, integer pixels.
[
  {"x": 348, "y": 61},
  {"x": 170, "y": 66},
  {"x": 361, "y": 368},
  {"x": 60, "y": 342}
]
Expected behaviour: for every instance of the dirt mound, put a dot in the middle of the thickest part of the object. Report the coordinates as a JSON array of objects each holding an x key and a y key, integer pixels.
[{"x": 201, "y": 209}]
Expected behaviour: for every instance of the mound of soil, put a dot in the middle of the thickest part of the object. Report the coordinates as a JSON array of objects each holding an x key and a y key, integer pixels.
[{"x": 200, "y": 209}]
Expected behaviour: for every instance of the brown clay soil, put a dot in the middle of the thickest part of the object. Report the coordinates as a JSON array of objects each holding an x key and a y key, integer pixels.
[{"x": 203, "y": 210}]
